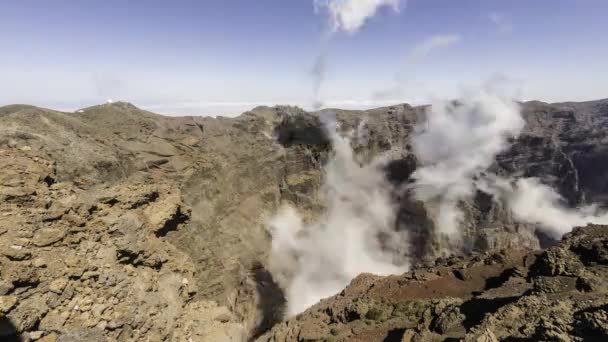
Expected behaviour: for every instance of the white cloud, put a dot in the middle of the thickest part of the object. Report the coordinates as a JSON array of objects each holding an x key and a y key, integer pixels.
[{"x": 350, "y": 15}]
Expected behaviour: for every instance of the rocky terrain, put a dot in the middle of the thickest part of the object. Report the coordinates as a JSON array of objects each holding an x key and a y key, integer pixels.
[
  {"x": 121, "y": 224},
  {"x": 508, "y": 295}
]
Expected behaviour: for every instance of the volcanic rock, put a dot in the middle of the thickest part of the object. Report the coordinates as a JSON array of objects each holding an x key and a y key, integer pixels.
[{"x": 105, "y": 212}]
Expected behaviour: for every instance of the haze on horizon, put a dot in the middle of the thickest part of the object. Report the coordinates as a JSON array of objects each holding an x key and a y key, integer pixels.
[{"x": 224, "y": 57}]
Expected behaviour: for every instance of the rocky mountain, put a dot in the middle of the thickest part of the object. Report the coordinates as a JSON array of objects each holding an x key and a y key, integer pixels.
[{"x": 121, "y": 224}]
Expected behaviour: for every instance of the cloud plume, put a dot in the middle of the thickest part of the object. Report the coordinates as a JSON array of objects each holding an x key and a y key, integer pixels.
[
  {"x": 533, "y": 202},
  {"x": 355, "y": 234},
  {"x": 455, "y": 144},
  {"x": 459, "y": 141}
]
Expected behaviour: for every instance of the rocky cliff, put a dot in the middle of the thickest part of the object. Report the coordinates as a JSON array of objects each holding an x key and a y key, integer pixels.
[{"x": 121, "y": 224}]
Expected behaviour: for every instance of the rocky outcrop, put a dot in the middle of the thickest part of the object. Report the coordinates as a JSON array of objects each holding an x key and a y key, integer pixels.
[
  {"x": 509, "y": 295},
  {"x": 90, "y": 265},
  {"x": 121, "y": 224}
]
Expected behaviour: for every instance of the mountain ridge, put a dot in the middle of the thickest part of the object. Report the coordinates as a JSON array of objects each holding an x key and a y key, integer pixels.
[{"x": 8, "y": 107}]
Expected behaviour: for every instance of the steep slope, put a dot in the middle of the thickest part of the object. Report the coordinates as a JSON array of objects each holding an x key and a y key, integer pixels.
[{"x": 118, "y": 185}]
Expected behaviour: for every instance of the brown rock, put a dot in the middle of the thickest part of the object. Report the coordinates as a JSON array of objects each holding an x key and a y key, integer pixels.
[
  {"x": 52, "y": 337},
  {"x": 35, "y": 335},
  {"x": 54, "y": 321},
  {"x": 48, "y": 236},
  {"x": 28, "y": 314},
  {"x": 7, "y": 303},
  {"x": 58, "y": 285},
  {"x": 487, "y": 336},
  {"x": 313, "y": 331},
  {"x": 16, "y": 253},
  {"x": 150, "y": 169}
]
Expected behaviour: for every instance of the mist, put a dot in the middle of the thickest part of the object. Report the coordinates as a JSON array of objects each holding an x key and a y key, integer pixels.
[
  {"x": 355, "y": 234},
  {"x": 454, "y": 145},
  {"x": 533, "y": 202}
]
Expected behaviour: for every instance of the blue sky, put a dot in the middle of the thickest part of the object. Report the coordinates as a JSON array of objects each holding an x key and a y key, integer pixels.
[{"x": 223, "y": 57}]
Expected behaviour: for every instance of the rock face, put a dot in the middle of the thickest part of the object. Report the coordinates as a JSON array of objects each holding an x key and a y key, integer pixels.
[
  {"x": 121, "y": 224},
  {"x": 509, "y": 295}
]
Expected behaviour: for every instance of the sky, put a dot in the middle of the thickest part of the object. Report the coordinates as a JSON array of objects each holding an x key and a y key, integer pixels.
[{"x": 223, "y": 57}]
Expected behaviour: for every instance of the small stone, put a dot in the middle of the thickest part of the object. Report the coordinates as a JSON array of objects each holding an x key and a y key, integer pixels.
[
  {"x": 408, "y": 335},
  {"x": 40, "y": 263},
  {"x": 52, "y": 215},
  {"x": 487, "y": 336},
  {"x": 102, "y": 325},
  {"x": 76, "y": 272},
  {"x": 52, "y": 337},
  {"x": 98, "y": 309},
  {"x": 72, "y": 260},
  {"x": 90, "y": 274},
  {"x": 26, "y": 148},
  {"x": 53, "y": 300},
  {"x": 35, "y": 335},
  {"x": 313, "y": 332},
  {"x": 7, "y": 303},
  {"x": 27, "y": 314},
  {"x": 17, "y": 253},
  {"x": 223, "y": 318},
  {"x": 113, "y": 325},
  {"x": 58, "y": 285},
  {"x": 6, "y": 287},
  {"x": 48, "y": 236},
  {"x": 68, "y": 293}
]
